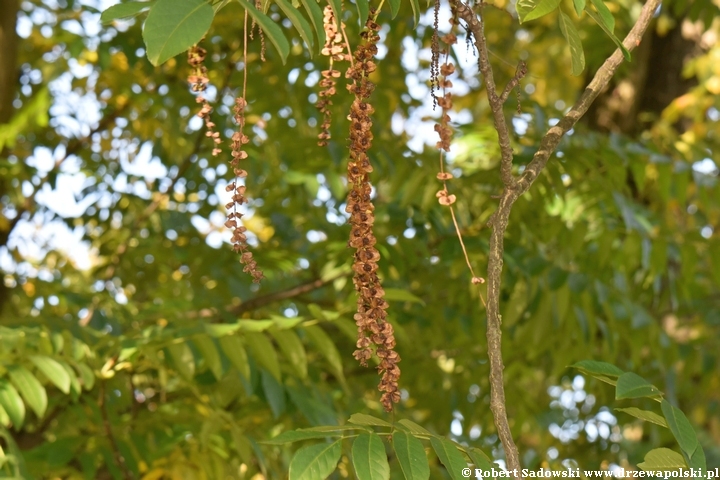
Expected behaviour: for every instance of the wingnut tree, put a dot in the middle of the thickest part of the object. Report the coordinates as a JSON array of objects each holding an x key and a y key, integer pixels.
[{"x": 180, "y": 371}]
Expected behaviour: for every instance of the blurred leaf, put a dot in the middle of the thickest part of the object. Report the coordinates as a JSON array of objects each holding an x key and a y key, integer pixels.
[
  {"x": 12, "y": 404},
  {"x": 53, "y": 371},
  {"x": 30, "y": 388}
]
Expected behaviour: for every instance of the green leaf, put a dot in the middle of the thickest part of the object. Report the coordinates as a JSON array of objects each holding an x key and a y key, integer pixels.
[
  {"x": 594, "y": 368},
  {"x": 631, "y": 385},
  {"x": 697, "y": 459},
  {"x": 414, "y": 428},
  {"x": 605, "y": 15},
  {"x": 255, "y": 325},
  {"x": 680, "y": 427},
  {"x": 363, "y": 8},
  {"x": 531, "y": 9},
  {"x": 183, "y": 359},
  {"x": 646, "y": 415},
  {"x": 402, "y": 296},
  {"x": 274, "y": 393},
  {"x": 316, "y": 17},
  {"x": 327, "y": 348},
  {"x": 662, "y": 459},
  {"x": 271, "y": 29},
  {"x": 315, "y": 462},
  {"x": 30, "y": 388},
  {"x": 362, "y": 419},
  {"x": 336, "y": 428},
  {"x": 579, "y": 6},
  {"x": 75, "y": 386},
  {"x": 264, "y": 352},
  {"x": 221, "y": 329},
  {"x": 577, "y": 56},
  {"x": 123, "y": 11},
  {"x": 337, "y": 9},
  {"x": 298, "y": 436},
  {"x": 12, "y": 403},
  {"x": 369, "y": 458},
  {"x": 416, "y": 10},
  {"x": 293, "y": 350},
  {"x": 208, "y": 351},
  {"x": 411, "y": 456},
  {"x": 600, "y": 21},
  {"x": 54, "y": 372},
  {"x": 4, "y": 417},
  {"x": 449, "y": 456},
  {"x": 480, "y": 460},
  {"x": 87, "y": 376},
  {"x": 299, "y": 22},
  {"x": 234, "y": 350},
  {"x": 173, "y": 26},
  {"x": 394, "y": 8}
]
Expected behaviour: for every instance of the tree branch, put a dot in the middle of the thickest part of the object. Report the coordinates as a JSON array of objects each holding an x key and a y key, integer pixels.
[
  {"x": 520, "y": 72},
  {"x": 512, "y": 191},
  {"x": 117, "y": 455},
  {"x": 475, "y": 25},
  {"x": 601, "y": 79},
  {"x": 263, "y": 300}
]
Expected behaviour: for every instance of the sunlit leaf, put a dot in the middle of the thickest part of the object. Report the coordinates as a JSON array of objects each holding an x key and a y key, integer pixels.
[
  {"x": 646, "y": 415},
  {"x": 124, "y": 11},
  {"x": 572, "y": 37},
  {"x": 363, "y": 419},
  {"x": 173, "y": 26},
  {"x": 30, "y": 388},
  {"x": 662, "y": 459},
  {"x": 12, "y": 404},
  {"x": 532, "y": 9},
  {"x": 53, "y": 371}
]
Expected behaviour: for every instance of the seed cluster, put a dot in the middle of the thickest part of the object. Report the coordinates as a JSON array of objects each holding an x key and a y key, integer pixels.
[
  {"x": 333, "y": 48},
  {"x": 443, "y": 127},
  {"x": 198, "y": 81},
  {"x": 371, "y": 316},
  {"x": 239, "y": 239}
]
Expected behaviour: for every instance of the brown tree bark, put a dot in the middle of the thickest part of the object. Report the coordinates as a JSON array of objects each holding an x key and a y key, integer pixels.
[
  {"x": 8, "y": 85},
  {"x": 8, "y": 57}
]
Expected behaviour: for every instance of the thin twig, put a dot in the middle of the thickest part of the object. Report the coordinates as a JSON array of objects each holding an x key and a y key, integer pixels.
[
  {"x": 269, "y": 298},
  {"x": 520, "y": 72},
  {"x": 512, "y": 191},
  {"x": 506, "y": 153},
  {"x": 117, "y": 455}
]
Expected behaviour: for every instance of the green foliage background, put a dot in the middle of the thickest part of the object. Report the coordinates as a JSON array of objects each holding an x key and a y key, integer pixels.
[{"x": 613, "y": 255}]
